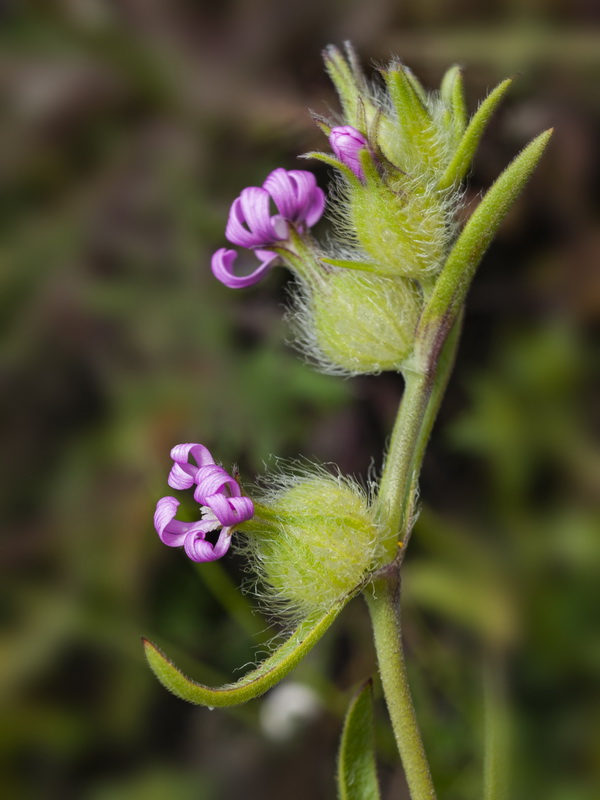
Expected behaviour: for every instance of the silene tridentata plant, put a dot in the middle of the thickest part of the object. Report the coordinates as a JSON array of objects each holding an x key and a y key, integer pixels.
[{"x": 385, "y": 293}]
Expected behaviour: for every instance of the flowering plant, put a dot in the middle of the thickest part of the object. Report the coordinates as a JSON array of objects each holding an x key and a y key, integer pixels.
[{"x": 385, "y": 294}]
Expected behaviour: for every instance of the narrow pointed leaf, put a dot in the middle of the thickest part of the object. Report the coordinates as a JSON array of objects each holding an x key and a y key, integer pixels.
[
  {"x": 357, "y": 772},
  {"x": 453, "y": 282},
  {"x": 417, "y": 86},
  {"x": 344, "y": 81},
  {"x": 358, "y": 265},
  {"x": 332, "y": 161},
  {"x": 412, "y": 114},
  {"x": 253, "y": 683},
  {"x": 459, "y": 165},
  {"x": 447, "y": 84},
  {"x": 459, "y": 106},
  {"x": 355, "y": 66},
  {"x": 455, "y": 110}
]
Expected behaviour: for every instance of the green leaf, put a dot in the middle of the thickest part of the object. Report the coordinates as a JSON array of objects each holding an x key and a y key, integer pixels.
[
  {"x": 451, "y": 287},
  {"x": 410, "y": 108},
  {"x": 452, "y": 93},
  {"x": 416, "y": 84},
  {"x": 461, "y": 161},
  {"x": 357, "y": 772},
  {"x": 332, "y": 161},
  {"x": 358, "y": 265},
  {"x": 254, "y": 683},
  {"x": 344, "y": 81},
  {"x": 447, "y": 84}
]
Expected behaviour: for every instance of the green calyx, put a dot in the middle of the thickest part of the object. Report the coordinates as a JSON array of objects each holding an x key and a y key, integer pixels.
[
  {"x": 361, "y": 322},
  {"x": 404, "y": 233},
  {"x": 313, "y": 540}
]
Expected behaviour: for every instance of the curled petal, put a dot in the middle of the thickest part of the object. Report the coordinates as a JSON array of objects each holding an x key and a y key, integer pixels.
[
  {"x": 219, "y": 495},
  {"x": 237, "y": 228},
  {"x": 310, "y": 198},
  {"x": 198, "y": 549},
  {"x": 296, "y": 195},
  {"x": 222, "y": 268},
  {"x": 201, "y": 454},
  {"x": 230, "y": 510},
  {"x": 314, "y": 208},
  {"x": 173, "y": 532},
  {"x": 256, "y": 206},
  {"x": 250, "y": 223},
  {"x": 212, "y": 480},
  {"x": 183, "y": 474},
  {"x": 281, "y": 188}
]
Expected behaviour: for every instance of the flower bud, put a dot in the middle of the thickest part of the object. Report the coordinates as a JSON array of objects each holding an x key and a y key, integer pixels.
[
  {"x": 402, "y": 211},
  {"x": 314, "y": 539},
  {"x": 358, "y": 322},
  {"x": 346, "y": 142}
]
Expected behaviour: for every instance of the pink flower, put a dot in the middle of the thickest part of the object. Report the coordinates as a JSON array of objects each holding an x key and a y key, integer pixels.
[
  {"x": 299, "y": 202},
  {"x": 220, "y": 499}
]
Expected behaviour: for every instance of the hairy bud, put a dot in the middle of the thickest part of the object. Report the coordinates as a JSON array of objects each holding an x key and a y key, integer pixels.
[
  {"x": 357, "y": 322},
  {"x": 313, "y": 540}
]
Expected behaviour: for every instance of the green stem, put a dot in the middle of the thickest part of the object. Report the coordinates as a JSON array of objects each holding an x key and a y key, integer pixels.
[
  {"x": 383, "y": 602},
  {"x": 399, "y": 464},
  {"x": 420, "y": 404},
  {"x": 418, "y": 410}
]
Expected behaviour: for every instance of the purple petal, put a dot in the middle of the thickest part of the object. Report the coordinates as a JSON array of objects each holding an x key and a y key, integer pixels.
[
  {"x": 346, "y": 142},
  {"x": 304, "y": 184},
  {"x": 279, "y": 185},
  {"x": 212, "y": 480},
  {"x": 314, "y": 209},
  {"x": 198, "y": 549},
  {"x": 171, "y": 531},
  {"x": 230, "y": 510},
  {"x": 222, "y": 268},
  {"x": 255, "y": 204},
  {"x": 201, "y": 454},
  {"x": 183, "y": 474},
  {"x": 250, "y": 223},
  {"x": 235, "y": 230},
  {"x": 296, "y": 195}
]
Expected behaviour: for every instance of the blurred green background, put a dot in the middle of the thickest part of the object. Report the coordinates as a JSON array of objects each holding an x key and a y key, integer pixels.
[{"x": 128, "y": 129}]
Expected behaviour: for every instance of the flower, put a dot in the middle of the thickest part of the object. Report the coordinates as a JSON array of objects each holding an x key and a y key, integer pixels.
[
  {"x": 299, "y": 202},
  {"x": 220, "y": 499},
  {"x": 346, "y": 142}
]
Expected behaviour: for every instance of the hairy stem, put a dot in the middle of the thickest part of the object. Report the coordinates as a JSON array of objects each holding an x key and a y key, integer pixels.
[
  {"x": 399, "y": 465},
  {"x": 383, "y": 601},
  {"x": 395, "y": 504},
  {"x": 423, "y": 393}
]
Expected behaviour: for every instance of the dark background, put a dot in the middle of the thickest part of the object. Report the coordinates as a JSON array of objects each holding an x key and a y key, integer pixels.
[{"x": 128, "y": 129}]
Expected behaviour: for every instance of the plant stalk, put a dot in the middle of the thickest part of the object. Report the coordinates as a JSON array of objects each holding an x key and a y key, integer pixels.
[
  {"x": 424, "y": 390},
  {"x": 383, "y": 600},
  {"x": 421, "y": 400}
]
